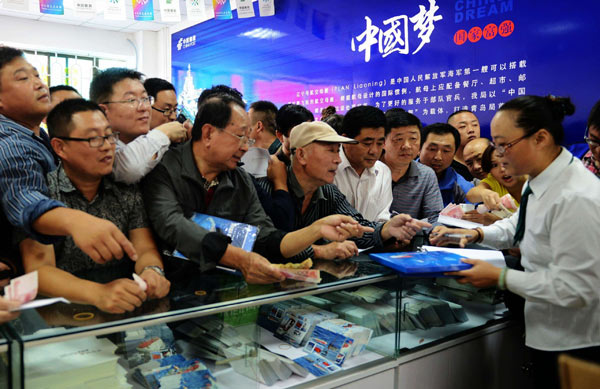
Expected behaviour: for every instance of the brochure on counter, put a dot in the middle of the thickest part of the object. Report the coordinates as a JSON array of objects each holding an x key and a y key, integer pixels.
[
  {"x": 242, "y": 235},
  {"x": 422, "y": 263}
]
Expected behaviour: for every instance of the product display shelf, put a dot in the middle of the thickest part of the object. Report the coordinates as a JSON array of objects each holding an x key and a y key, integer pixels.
[
  {"x": 5, "y": 364},
  {"x": 215, "y": 297},
  {"x": 214, "y": 330}
]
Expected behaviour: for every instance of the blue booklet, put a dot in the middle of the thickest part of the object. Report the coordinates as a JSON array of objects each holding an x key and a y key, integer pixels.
[
  {"x": 242, "y": 235},
  {"x": 428, "y": 263}
]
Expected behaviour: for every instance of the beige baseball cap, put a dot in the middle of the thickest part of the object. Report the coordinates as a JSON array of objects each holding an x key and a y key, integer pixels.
[{"x": 306, "y": 133}]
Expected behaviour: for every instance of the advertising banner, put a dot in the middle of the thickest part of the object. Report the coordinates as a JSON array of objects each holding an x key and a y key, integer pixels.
[
  {"x": 429, "y": 57},
  {"x": 169, "y": 11},
  {"x": 222, "y": 9},
  {"x": 52, "y": 7},
  {"x": 143, "y": 10}
]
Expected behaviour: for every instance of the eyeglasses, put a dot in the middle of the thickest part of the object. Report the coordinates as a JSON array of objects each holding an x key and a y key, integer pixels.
[
  {"x": 169, "y": 111},
  {"x": 242, "y": 138},
  {"x": 134, "y": 103},
  {"x": 95, "y": 141},
  {"x": 501, "y": 149},
  {"x": 591, "y": 142}
]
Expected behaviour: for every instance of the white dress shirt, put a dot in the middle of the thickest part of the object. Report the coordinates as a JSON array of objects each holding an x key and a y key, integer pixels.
[
  {"x": 370, "y": 193},
  {"x": 560, "y": 253},
  {"x": 137, "y": 158}
]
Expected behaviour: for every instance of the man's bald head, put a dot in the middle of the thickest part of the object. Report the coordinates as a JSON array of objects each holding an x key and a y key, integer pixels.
[{"x": 472, "y": 153}]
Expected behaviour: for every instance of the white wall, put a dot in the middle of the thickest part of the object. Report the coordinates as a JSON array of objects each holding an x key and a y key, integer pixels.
[
  {"x": 148, "y": 49},
  {"x": 65, "y": 38},
  {"x": 154, "y": 53}
]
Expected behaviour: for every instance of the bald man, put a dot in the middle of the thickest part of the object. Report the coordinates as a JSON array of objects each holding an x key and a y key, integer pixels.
[
  {"x": 467, "y": 125},
  {"x": 472, "y": 153}
]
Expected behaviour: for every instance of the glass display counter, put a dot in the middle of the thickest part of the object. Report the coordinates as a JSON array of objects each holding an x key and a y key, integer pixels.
[
  {"x": 215, "y": 330},
  {"x": 5, "y": 362}
]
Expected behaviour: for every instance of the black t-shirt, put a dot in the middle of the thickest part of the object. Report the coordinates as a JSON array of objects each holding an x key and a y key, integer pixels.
[{"x": 462, "y": 170}]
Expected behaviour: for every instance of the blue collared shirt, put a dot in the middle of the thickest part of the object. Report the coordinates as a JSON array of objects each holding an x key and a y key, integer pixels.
[
  {"x": 25, "y": 159},
  {"x": 454, "y": 187}
]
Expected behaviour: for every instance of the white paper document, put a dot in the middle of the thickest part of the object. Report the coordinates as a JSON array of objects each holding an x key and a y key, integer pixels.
[
  {"x": 278, "y": 346},
  {"x": 494, "y": 257},
  {"x": 454, "y": 222},
  {"x": 41, "y": 303}
]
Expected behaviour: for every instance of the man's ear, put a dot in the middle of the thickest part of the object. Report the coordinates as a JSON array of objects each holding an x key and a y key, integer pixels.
[
  {"x": 58, "y": 147},
  {"x": 260, "y": 127},
  {"x": 301, "y": 155},
  {"x": 103, "y": 107},
  {"x": 207, "y": 132}
]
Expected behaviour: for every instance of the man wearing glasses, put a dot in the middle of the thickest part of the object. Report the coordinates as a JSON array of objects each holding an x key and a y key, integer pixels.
[
  {"x": 84, "y": 141},
  {"x": 361, "y": 177},
  {"x": 203, "y": 176},
  {"x": 128, "y": 107},
  {"x": 25, "y": 160},
  {"x": 591, "y": 159},
  {"x": 164, "y": 109}
]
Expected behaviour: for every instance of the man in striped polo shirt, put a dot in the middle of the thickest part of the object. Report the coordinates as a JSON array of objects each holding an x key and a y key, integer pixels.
[
  {"x": 415, "y": 188},
  {"x": 26, "y": 158},
  {"x": 315, "y": 158}
]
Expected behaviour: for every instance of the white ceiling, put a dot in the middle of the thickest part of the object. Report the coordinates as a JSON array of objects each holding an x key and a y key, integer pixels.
[{"x": 97, "y": 20}]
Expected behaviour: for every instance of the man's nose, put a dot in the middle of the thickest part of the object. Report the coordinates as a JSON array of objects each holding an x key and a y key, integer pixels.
[
  {"x": 375, "y": 149},
  {"x": 40, "y": 84}
]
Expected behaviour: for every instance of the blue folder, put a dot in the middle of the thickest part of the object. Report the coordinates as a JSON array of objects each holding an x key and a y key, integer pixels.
[
  {"x": 422, "y": 263},
  {"x": 242, "y": 235}
]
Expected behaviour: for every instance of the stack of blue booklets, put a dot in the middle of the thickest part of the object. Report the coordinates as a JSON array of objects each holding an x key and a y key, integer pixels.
[
  {"x": 422, "y": 263},
  {"x": 242, "y": 235}
]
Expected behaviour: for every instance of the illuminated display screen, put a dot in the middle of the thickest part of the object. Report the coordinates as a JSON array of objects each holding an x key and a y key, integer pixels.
[{"x": 428, "y": 57}]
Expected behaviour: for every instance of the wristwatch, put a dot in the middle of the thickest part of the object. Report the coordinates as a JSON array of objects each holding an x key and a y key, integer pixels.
[{"x": 156, "y": 269}]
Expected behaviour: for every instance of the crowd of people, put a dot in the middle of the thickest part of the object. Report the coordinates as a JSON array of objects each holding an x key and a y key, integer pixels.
[{"x": 112, "y": 182}]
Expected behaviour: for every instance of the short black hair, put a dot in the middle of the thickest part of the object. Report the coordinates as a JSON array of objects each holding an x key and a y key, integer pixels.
[
  {"x": 8, "y": 54},
  {"x": 486, "y": 158},
  {"x": 219, "y": 90},
  {"x": 102, "y": 84},
  {"x": 60, "y": 118},
  {"x": 537, "y": 112},
  {"x": 58, "y": 88},
  {"x": 290, "y": 115},
  {"x": 267, "y": 114},
  {"x": 155, "y": 85},
  {"x": 440, "y": 129},
  {"x": 594, "y": 118},
  {"x": 335, "y": 120},
  {"x": 459, "y": 111},
  {"x": 327, "y": 111},
  {"x": 216, "y": 111},
  {"x": 397, "y": 117},
  {"x": 363, "y": 116}
]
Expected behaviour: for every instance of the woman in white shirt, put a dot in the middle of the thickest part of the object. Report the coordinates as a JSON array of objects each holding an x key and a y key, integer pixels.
[{"x": 556, "y": 230}]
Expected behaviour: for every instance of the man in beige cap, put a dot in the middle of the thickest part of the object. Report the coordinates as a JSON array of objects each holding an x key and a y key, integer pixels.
[
  {"x": 202, "y": 176},
  {"x": 315, "y": 157}
]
